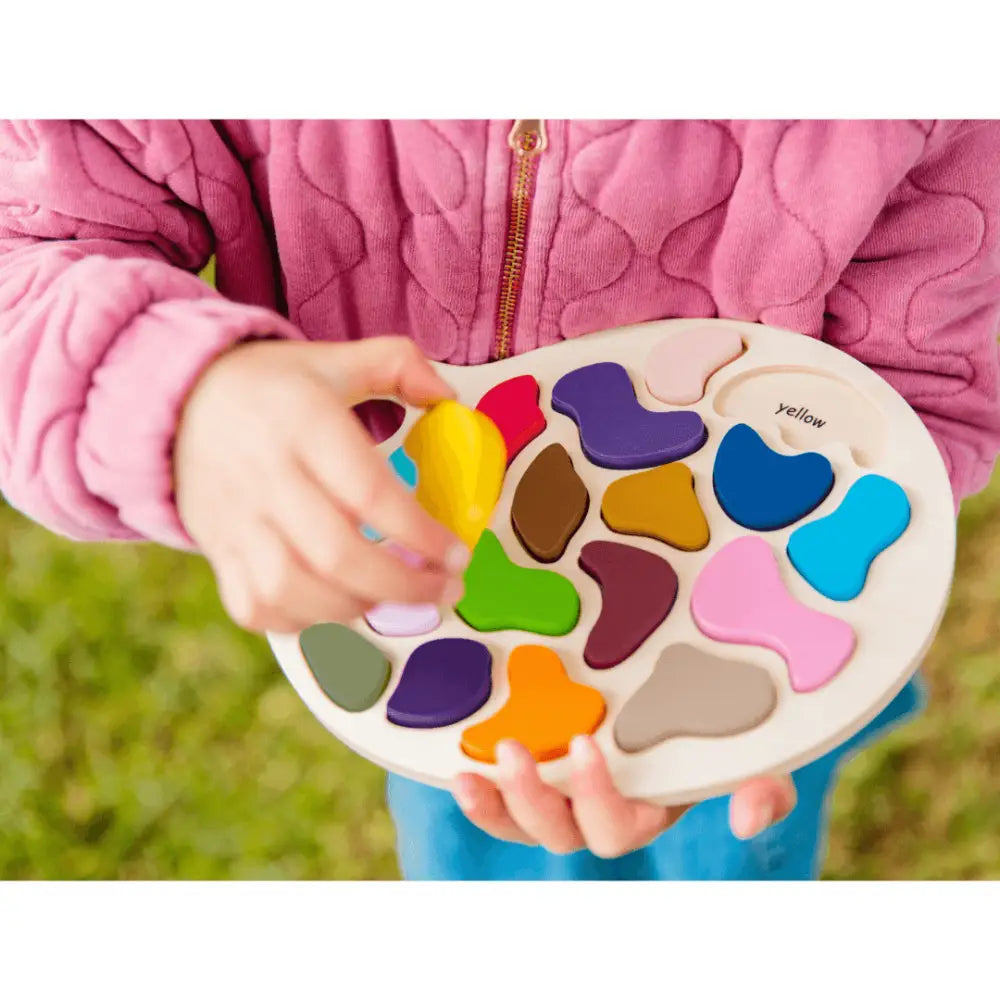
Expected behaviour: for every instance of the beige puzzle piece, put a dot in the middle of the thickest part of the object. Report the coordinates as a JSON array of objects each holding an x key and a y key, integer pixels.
[{"x": 693, "y": 693}]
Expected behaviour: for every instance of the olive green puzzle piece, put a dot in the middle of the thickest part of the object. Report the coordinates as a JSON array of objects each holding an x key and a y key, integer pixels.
[
  {"x": 351, "y": 671},
  {"x": 500, "y": 594}
]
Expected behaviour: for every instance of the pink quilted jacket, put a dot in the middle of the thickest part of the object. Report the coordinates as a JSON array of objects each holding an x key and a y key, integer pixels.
[{"x": 881, "y": 237}]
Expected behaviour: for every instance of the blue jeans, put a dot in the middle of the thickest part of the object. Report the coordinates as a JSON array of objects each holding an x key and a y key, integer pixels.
[{"x": 436, "y": 842}]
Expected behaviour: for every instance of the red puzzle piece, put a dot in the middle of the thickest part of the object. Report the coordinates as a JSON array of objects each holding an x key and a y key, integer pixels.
[{"x": 513, "y": 407}]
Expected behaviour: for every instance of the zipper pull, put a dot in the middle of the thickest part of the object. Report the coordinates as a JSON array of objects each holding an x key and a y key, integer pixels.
[{"x": 527, "y": 138}]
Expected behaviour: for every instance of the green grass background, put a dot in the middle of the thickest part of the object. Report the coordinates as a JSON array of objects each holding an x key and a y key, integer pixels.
[{"x": 143, "y": 736}]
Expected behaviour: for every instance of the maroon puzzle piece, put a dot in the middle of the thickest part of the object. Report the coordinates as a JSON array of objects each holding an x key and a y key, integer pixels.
[{"x": 638, "y": 589}]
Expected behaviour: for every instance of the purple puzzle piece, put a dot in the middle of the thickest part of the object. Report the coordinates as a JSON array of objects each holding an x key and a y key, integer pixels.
[
  {"x": 444, "y": 681},
  {"x": 616, "y": 431}
]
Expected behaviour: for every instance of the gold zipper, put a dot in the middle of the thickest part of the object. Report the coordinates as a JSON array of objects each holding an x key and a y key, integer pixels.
[{"x": 527, "y": 140}]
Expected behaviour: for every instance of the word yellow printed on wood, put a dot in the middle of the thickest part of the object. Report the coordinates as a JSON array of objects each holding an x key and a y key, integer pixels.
[{"x": 460, "y": 457}]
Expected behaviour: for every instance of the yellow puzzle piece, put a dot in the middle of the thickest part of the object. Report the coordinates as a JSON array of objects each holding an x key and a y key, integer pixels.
[{"x": 461, "y": 458}]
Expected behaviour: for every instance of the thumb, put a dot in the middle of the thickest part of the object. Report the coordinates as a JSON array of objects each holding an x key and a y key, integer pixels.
[
  {"x": 759, "y": 803},
  {"x": 381, "y": 366}
]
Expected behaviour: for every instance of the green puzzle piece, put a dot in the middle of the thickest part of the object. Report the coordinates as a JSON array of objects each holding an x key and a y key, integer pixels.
[
  {"x": 500, "y": 594},
  {"x": 350, "y": 670}
]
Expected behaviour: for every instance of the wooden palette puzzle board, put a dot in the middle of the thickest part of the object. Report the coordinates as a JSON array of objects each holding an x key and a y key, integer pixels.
[{"x": 730, "y": 548}]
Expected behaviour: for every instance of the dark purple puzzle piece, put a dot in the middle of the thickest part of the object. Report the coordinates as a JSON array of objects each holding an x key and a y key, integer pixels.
[
  {"x": 616, "y": 431},
  {"x": 443, "y": 682}
]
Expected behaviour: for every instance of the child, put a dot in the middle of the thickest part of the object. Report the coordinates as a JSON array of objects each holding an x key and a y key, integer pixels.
[{"x": 138, "y": 403}]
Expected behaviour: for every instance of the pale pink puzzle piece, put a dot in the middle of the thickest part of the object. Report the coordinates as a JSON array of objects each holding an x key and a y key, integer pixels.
[
  {"x": 740, "y": 597},
  {"x": 680, "y": 365},
  {"x": 401, "y": 620}
]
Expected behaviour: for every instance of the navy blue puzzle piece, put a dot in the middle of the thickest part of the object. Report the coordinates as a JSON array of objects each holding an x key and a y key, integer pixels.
[{"x": 762, "y": 489}]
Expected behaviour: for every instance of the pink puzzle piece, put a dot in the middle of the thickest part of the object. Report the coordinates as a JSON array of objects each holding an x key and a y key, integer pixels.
[
  {"x": 400, "y": 620},
  {"x": 403, "y": 619},
  {"x": 679, "y": 366},
  {"x": 740, "y": 597}
]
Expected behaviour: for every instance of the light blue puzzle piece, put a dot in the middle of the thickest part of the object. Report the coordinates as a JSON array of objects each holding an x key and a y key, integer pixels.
[
  {"x": 406, "y": 470},
  {"x": 834, "y": 553},
  {"x": 404, "y": 467}
]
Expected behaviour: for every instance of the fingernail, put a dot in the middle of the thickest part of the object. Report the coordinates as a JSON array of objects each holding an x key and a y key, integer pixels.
[
  {"x": 508, "y": 759},
  {"x": 763, "y": 818},
  {"x": 749, "y": 821},
  {"x": 741, "y": 819},
  {"x": 464, "y": 796},
  {"x": 457, "y": 559},
  {"x": 453, "y": 592},
  {"x": 581, "y": 752}
]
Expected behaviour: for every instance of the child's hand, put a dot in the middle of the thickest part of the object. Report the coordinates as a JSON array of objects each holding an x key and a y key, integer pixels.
[
  {"x": 522, "y": 808},
  {"x": 275, "y": 474}
]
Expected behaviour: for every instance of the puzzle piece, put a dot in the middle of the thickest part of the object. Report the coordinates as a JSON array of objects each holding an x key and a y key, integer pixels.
[
  {"x": 500, "y": 594},
  {"x": 739, "y": 596},
  {"x": 549, "y": 504},
  {"x": 351, "y": 671},
  {"x": 658, "y": 503},
  {"x": 513, "y": 407},
  {"x": 406, "y": 472},
  {"x": 460, "y": 458},
  {"x": 762, "y": 489},
  {"x": 679, "y": 367},
  {"x": 693, "y": 693},
  {"x": 616, "y": 431},
  {"x": 543, "y": 713},
  {"x": 443, "y": 682},
  {"x": 403, "y": 466},
  {"x": 393, "y": 619},
  {"x": 835, "y": 553},
  {"x": 638, "y": 589},
  {"x": 381, "y": 418}
]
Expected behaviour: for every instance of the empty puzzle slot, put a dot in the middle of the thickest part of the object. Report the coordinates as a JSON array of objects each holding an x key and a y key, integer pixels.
[{"x": 808, "y": 408}]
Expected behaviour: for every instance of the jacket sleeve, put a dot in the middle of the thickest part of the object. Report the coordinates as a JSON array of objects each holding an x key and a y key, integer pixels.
[
  {"x": 920, "y": 301},
  {"x": 104, "y": 327}
]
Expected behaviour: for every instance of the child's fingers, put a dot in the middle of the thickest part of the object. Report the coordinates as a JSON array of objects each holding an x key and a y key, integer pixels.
[
  {"x": 483, "y": 805},
  {"x": 281, "y": 594},
  {"x": 611, "y": 824},
  {"x": 340, "y": 456},
  {"x": 537, "y": 808},
  {"x": 235, "y": 591},
  {"x": 760, "y": 803},
  {"x": 383, "y": 366},
  {"x": 329, "y": 542}
]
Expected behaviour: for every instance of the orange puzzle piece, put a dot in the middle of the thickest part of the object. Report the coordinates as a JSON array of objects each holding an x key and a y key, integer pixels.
[{"x": 543, "y": 713}]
